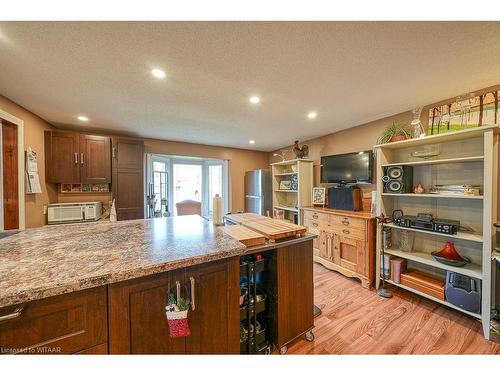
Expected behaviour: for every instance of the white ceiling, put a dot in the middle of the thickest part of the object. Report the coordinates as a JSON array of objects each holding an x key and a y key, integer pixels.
[{"x": 349, "y": 72}]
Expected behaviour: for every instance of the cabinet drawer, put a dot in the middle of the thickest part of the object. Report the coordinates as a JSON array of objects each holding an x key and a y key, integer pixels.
[
  {"x": 315, "y": 226},
  {"x": 66, "y": 324},
  {"x": 349, "y": 231},
  {"x": 348, "y": 222},
  {"x": 316, "y": 216}
]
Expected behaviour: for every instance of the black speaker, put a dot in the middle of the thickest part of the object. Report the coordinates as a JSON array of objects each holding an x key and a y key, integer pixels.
[
  {"x": 398, "y": 179},
  {"x": 463, "y": 291},
  {"x": 346, "y": 197}
]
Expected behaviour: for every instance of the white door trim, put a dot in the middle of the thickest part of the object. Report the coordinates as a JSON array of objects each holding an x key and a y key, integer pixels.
[{"x": 20, "y": 167}]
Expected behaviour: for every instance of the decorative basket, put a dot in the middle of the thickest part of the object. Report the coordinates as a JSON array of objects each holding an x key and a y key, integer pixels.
[{"x": 178, "y": 323}]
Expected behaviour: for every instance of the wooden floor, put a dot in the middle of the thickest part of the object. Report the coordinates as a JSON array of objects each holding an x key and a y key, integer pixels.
[{"x": 357, "y": 321}]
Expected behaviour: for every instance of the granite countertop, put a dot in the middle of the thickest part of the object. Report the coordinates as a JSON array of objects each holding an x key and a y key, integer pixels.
[{"x": 51, "y": 260}]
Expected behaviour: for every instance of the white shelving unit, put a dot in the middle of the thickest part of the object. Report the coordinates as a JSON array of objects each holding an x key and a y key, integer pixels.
[
  {"x": 292, "y": 200},
  {"x": 466, "y": 157}
]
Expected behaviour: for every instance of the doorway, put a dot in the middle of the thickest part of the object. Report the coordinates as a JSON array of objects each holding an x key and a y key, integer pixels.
[
  {"x": 9, "y": 169},
  {"x": 172, "y": 179}
]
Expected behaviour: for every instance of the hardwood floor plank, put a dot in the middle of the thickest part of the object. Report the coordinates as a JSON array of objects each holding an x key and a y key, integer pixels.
[{"x": 357, "y": 321}]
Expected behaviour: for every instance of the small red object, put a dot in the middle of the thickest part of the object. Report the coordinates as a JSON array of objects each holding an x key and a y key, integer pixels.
[
  {"x": 178, "y": 325},
  {"x": 449, "y": 252},
  {"x": 258, "y": 257}
]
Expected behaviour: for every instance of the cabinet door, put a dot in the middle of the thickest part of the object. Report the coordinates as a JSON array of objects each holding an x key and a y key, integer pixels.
[
  {"x": 137, "y": 320},
  {"x": 294, "y": 292},
  {"x": 127, "y": 178},
  {"x": 62, "y": 159},
  {"x": 95, "y": 159},
  {"x": 214, "y": 317},
  {"x": 350, "y": 253},
  {"x": 127, "y": 153},
  {"x": 66, "y": 324}
]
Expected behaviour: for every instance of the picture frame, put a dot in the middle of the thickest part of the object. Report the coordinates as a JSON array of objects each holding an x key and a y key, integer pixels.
[
  {"x": 318, "y": 196},
  {"x": 285, "y": 185}
]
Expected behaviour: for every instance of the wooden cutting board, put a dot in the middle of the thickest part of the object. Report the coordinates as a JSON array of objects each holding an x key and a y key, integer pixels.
[
  {"x": 245, "y": 235},
  {"x": 275, "y": 229},
  {"x": 244, "y": 217}
]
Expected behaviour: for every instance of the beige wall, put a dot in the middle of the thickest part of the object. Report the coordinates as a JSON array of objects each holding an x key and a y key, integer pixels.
[
  {"x": 33, "y": 137},
  {"x": 359, "y": 138},
  {"x": 240, "y": 161}
]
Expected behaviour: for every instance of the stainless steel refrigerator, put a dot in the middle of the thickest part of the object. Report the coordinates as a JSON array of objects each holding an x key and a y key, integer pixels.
[{"x": 258, "y": 192}]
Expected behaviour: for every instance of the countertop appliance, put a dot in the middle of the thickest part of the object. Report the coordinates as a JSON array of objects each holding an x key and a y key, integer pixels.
[
  {"x": 258, "y": 192},
  {"x": 59, "y": 213}
]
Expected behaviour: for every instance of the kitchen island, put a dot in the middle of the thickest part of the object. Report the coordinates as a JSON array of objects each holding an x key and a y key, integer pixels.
[{"x": 102, "y": 287}]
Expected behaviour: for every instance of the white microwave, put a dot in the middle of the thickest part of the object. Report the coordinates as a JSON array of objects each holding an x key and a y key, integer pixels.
[{"x": 59, "y": 213}]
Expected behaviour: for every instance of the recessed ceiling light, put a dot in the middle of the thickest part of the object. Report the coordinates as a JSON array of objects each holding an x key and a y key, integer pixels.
[
  {"x": 83, "y": 118},
  {"x": 158, "y": 73},
  {"x": 312, "y": 115},
  {"x": 254, "y": 99},
  {"x": 251, "y": 141}
]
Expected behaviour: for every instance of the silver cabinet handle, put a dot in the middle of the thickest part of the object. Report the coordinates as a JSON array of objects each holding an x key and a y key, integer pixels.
[
  {"x": 193, "y": 306},
  {"x": 76, "y": 157},
  {"x": 15, "y": 314},
  {"x": 346, "y": 231},
  {"x": 345, "y": 222},
  {"x": 82, "y": 158},
  {"x": 178, "y": 290}
]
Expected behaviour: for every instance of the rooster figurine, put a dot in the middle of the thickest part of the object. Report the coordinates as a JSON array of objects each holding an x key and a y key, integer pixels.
[{"x": 300, "y": 152}]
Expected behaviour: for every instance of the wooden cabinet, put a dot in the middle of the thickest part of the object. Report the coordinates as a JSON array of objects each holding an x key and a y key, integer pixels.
[
  {"x": 346, "y": 241},
  {"x": 127, "y": 177},
  {"x": 95, "y": 160},
  {"x": 137, "y": 319},
  {"x": 69, "y": 323},
  {"x": 62, "y": 157},
  {"x": 77, "y": 158},
  {"x": 291, "y": 297}
]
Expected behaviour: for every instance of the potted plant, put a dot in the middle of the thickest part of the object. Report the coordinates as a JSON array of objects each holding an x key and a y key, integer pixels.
[{"x": 394, "y": 133}]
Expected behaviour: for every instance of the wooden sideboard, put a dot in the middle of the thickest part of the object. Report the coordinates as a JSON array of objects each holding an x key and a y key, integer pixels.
[{"x": 345, "y": 243}]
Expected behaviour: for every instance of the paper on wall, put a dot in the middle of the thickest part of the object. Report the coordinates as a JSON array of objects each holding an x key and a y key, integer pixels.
[{"x": 32, "y": 179}]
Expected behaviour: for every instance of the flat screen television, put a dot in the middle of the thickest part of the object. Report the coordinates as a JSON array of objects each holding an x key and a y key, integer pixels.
[{"x": 354, "y": 167}]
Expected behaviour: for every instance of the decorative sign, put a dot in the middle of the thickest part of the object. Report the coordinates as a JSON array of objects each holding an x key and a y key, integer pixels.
[{"x": 467, "y": 111}]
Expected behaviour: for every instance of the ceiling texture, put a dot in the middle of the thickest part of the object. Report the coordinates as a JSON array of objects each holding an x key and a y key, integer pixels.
[{"x": 350, "y": 73}]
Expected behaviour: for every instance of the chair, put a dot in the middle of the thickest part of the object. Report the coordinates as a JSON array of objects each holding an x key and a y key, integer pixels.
[{"x": 188, "y": 207}]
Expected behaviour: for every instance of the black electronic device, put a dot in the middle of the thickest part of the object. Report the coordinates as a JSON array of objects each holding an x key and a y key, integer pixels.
[
  {"x": 427, "y": 222},
  {"x": 355, "y": 167},
  {"x": 345, "y": 197},
  {"x": 398, "y": 179},
  {"x": 463, "y": 291}
]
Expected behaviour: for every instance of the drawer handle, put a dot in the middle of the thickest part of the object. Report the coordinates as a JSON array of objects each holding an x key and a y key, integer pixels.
[
  {"x": 15, "y": 314},
  {"x": 315, "y": 224},
  {"x": 178, "y": 290},
  {"x": 345, "y": 222},
  {"x": 346, "y": 231},
  {"x": 191, "y": 279},
  {"x": 315, "y": 216}
]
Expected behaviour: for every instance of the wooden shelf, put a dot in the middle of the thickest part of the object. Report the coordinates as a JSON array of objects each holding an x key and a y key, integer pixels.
[
  {"x": 465, "y": 159},
  {"x": 472, "y": 270},
  {"x": 440, "y": 138},
  {"x": 286, "y": 191},
  {"x": 439, "y": 196},
  {"x": 292, "y": 162},
  {"x": 445, "y": 303},
  {"x": 292, "y": 209},
  {"x": 460, "y": 235},
  {"x": 285, "y": 174}
]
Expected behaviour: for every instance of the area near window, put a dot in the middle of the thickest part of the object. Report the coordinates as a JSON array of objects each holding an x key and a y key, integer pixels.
[{"x": 173, "y": 179}]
